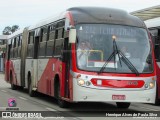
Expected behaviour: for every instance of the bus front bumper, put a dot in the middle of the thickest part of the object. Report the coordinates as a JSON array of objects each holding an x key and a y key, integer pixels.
[{"x": 84, "y": 94}]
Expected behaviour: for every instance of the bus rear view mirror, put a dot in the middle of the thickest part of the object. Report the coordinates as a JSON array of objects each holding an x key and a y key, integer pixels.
[{"x": 72, "y": 35}]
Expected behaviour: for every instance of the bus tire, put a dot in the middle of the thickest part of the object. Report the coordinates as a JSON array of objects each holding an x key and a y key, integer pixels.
[
  {"x": 61, "y": 103},
  {"x": 21, "y": 88},
  {"x": 13, "y": 87},
  {"x": 30, "y": 91},
  {"x": 123, "y": 104}
]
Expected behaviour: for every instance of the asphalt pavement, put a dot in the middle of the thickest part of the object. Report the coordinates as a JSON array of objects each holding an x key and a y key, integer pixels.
[{"x": 48, "y": 107}]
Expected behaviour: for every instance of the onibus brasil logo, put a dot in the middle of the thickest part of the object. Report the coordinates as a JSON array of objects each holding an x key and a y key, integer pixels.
[{"x": 12, "y": 102}]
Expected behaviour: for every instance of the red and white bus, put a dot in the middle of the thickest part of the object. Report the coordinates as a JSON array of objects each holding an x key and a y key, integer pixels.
[
  {"x": 48, "y": 58},
  {"x": 154, "y": 27}
]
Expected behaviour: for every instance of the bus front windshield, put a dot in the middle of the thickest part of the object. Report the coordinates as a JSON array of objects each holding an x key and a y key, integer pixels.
[{"x": 96, "y": 44}]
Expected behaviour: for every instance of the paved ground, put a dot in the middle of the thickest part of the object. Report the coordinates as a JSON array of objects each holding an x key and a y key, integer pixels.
[
  {"x": 89, "y": 111},
  {"x": 3, "y": 83}
]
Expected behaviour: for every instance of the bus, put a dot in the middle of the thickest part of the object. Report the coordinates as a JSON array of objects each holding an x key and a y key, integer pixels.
[
  {"x": 85, "y": 54},
  {"x": 154, "y": 28}
]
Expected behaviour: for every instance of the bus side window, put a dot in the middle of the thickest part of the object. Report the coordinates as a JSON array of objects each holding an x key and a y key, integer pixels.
[
  {"x": 155, "y": 34},
  {"x": 50, "y": 41},
  {"x": 11, "y": 49},
  {"x": 30, "y": 45},
  {"x": 52, "y": 31},
  {"x": 43, "y": 34},
  {"x": 157, "y": 48},
  {"x": 19, "y": 46},
  {"x": 42, "y": 44},
  {"x": 59, "y": 38},
  {"x": 14, "y": 46}
]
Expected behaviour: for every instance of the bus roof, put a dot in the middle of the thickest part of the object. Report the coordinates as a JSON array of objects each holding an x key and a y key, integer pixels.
[
  {"x": 16, "y": 33},
  {"x": 104, "y": 15},
  {"x": 91, "y": 15},
  {"x": 94, "y": 15},
  {"x": 48, "y": 20},
  {"x": 3, "y": 37}
]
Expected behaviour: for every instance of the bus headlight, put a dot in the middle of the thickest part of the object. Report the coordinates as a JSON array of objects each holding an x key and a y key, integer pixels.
[
  {"x": 151, "y": 85},
  {"x": 81, "y": 82},
  {"x": 88, "y": 83},
  {"x": 146, "y": 86}
]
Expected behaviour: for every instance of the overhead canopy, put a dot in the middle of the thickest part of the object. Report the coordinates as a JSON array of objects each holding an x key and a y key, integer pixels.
[
  {"x": 3, "y": 37},
  {"x": 148, "y": 13}
]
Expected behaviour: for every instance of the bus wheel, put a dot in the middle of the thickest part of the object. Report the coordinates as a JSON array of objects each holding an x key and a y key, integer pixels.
[
  {"x": 20, "y": 87},
  {"x": 30, "y": 91},
  {"x": 123, "y": 104},
  {"x": 13, "y": 87},
  {"x": 61, "y": 103}
]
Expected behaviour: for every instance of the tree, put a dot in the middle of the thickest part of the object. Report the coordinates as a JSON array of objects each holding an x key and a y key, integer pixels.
[
  {"x": 9, "y": 30},
  {"x": 14, "y": 28}
]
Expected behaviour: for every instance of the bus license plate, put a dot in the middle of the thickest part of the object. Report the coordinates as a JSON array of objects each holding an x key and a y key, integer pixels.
[{"x": 118, "y": 97}]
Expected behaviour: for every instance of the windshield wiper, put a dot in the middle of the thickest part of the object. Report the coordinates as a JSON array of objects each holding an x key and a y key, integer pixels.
[
  {"x": 128, "y": 63},
  {"x": 121, "y": 56},
  {"x": 115, "y": 51}
]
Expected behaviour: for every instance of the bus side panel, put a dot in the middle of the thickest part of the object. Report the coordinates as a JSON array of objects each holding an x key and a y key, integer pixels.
[
  {"x": 7, "y": 70},
  {"x": 17, "y": 65},
  {"x": 29, "y": 69},
  {"x": 13, "y": 73},
  {"x": 46, "y": 81},
  {"x": 7, "y": 61},
  {"x": 43, "y": 81},
  {"x": 158, "y": 77}
]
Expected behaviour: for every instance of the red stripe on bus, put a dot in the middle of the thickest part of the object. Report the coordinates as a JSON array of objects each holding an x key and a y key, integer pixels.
[{"x": 118, "y": 83}]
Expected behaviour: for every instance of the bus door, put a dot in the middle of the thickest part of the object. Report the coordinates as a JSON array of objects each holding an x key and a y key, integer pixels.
[{"x": 66, "y": 60}]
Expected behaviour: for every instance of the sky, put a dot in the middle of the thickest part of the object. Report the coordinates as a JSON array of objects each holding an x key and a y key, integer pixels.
[{"x": 28, "y": 12}]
